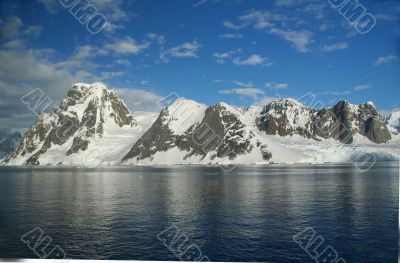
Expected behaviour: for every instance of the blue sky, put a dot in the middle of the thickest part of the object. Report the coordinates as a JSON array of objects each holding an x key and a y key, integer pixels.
[{"x": 239, "y": 51}]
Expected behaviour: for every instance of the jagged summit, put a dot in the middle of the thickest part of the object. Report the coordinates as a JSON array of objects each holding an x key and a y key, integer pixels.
[
  {"x": 92, "y": 125},
  {"x": 214, "y": 134},
  {"x": 181, "y": 114},
  {"x": 89, "y": 113},
  {"x": 287, "y": 101},
  {"x": 87, "y": 86},
  {"x": 85, "y": 98},
  {"x": 341, "y": 122}
]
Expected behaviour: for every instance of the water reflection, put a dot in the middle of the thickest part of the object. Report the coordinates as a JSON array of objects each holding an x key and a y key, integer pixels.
[{"x": 248, "y": 215}]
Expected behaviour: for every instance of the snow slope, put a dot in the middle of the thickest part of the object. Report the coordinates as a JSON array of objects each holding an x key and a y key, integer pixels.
[
  {"x": 240, "y": 130},
  {"x": 182, "y": 114},
  {"x": 92, "y": 126},
  {"x": 393, "y": 122},
  {"x": 102, "y": 131},
  {"x": 227, "y": 126}
]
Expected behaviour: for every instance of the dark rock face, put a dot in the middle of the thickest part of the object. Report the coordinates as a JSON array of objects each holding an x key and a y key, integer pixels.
[
  {"x": 159, "y": 138},
  {"x": 283, "y": 118},
  {"x": 267, "y": 155},
  {"x": 78, "y": 144},
  {"x": 80, "y": 116},
  {"x": 122, "y": 116},
  {"x": 33, "y": 138},
  {"x": 221, "y": 132},
  {"x": 376, "y": 130},
  {"x": 341, "y": 122},
  {"x": 8, "y": 143}
]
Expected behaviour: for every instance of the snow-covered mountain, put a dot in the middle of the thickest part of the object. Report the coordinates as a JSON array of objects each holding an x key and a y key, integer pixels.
[
  {"x": 393, "y": 122},
  {"x": 90, "y": 126},
  {"x": 9, "y": 142},
  {"x": 224, "y": 134},
  {"x": 341, "y": 122},
  {"x": 189, "y": 132}
]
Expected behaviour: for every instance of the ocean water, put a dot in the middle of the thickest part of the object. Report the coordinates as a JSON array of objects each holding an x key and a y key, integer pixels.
[{"x": 250, "y": 214}]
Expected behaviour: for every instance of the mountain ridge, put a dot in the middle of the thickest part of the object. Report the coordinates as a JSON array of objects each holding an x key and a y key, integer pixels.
[
  {"x": 85, "y": 115},
  {"x": 101, "y": 130}
]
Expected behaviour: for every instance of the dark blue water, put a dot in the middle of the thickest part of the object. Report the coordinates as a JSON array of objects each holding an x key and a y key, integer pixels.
[{"x": 251, "y": 214}]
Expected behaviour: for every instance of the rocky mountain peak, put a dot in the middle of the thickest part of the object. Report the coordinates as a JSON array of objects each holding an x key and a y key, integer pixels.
[
  {"x": 90, "y": 116},
  {"x": 284, "y": 103},
  {"x": 219, "y": 134},
  {"x": 182, "y": 114},
  {"x": 341, "y": 122},
  {"x": 84, "y": 115}
]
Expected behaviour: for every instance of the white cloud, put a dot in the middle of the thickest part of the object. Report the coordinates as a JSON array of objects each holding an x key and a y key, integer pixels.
[
  {"x": 231, "y": 25},
  {"x": 231, "y": 36},
  {"x": 123, "y": 62},
  {"x": 27, "y": 67},
  {"x": 113, "y": 11},
  {"x": 159, "y": 39},
  {"x": 263, "y": 101},
  {"x": 251, "y": 92},
  {"x": 334, "y": 47},
  {"x": 273, "y": 85},
  {"x": 386, "y": 17},
  {"x": 275, "y": 24},
  {"x": 299, "y": 39},
  {"x": 33, "y": 31},
  {"x": 326, "y": 26},
  {"x": 199, "y": 3},
  {"x": 186, "y": 50},
  {"x": 316, "y": 10},
  {"x": 109, "y": 75},
  {"x": 335, "y": 93},
  {"x": 361, "y": 87},
  {"x": 139, "y": 99},
  {"x": 221, "y": 57},
  {"x": 287, "y": 3},
  {"x": 219, "y": 81},
  {"x": 386, "y": 60},
  {"x": 81, "y": 57},
  {"x": 52, "y": 6},
  {"x": 253, "y": 60},
  {"x": 14, "y": 44},
  {"x": 21, "y": 72},
  {"x": 244, "y": 84},
  {"x": 10, "y": 27},
  {"x": 127, "y": 46},
  {"x": 386, "y": 112},
  {"x": 202, "y": 2},
  {"x": 84, "y": 52}
]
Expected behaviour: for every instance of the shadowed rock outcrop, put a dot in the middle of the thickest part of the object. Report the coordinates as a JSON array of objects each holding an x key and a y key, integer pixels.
[
  {"x": 341, "y": 122},
  {"x": 9, "y": 142}
]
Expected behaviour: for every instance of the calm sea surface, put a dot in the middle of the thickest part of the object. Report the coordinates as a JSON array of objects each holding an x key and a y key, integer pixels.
[{"x": 250, "y": 214}]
